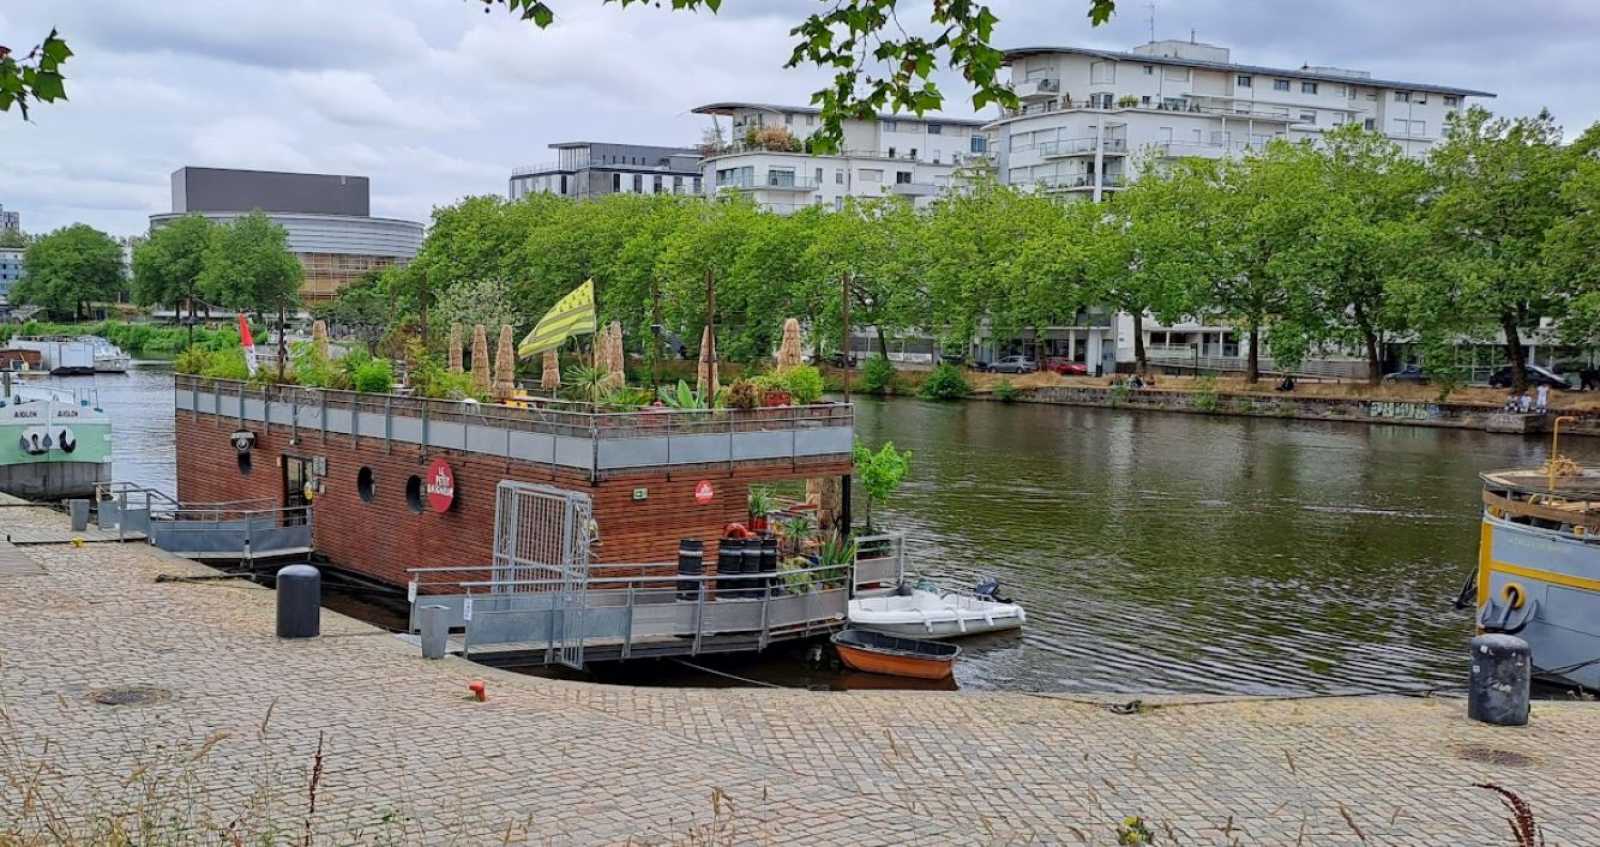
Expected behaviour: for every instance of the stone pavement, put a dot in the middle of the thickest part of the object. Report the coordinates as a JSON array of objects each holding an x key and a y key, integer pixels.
[{"x": 222, "y": 738}]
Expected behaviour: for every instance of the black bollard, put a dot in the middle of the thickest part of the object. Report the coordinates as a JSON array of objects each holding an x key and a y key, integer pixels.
[
  {"x": 1502, "y": 672},
  {"x": 299, "y": 602}
]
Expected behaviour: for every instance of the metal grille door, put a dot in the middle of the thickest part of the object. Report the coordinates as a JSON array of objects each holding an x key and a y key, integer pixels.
[{"x": 541, "y": 545}]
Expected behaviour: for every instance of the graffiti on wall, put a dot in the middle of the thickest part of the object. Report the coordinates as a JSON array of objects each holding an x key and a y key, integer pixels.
[{"x": 1400, "y": 410}]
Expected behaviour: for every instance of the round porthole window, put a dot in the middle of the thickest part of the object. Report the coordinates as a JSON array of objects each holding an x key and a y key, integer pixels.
[
  {"x": 414, "y": 493},
  {"x": 364, "y": 484}
]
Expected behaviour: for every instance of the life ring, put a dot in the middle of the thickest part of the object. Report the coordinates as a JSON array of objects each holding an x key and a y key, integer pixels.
[
  {"x": 736, "y": 530},
  {"x": 1514, "y": 595}
]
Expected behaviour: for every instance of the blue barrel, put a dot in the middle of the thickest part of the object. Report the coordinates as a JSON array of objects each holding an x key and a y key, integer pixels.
[{"x": 1502, "y": 675}]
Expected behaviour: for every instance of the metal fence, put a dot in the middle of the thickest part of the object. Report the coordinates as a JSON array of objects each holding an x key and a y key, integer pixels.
[{"x": 237, "y": 529}]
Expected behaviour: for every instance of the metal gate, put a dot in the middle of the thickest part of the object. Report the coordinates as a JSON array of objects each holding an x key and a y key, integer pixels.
[{"x": 541, "y": 545}]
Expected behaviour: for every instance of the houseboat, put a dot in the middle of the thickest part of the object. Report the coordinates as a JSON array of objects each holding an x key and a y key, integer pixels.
[
  {"x": 54, "y": 443},
  {"x": 81, "y": 356},
  {"x": 1538, "y": 574},
  {"x": 549, "y": 524}
]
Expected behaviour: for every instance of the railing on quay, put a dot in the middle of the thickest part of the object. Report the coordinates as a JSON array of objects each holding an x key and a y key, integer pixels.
[
  {"x": 234, "y": 529},
  {"x": 655, "y": 605}
]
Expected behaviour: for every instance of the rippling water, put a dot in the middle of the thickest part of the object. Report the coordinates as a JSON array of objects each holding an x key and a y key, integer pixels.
[{"x": 1154, "y": 552}]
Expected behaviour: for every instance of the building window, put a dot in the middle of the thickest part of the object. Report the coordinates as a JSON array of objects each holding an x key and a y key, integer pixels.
[
  {"x": 891, "y": 126},
  {"x": 838, "y": 203},
  {"x": 871, "y": 175},
  {"x": 891, "y": 152},
  {"x": 696, "y": 184},
  {"x": 902, "y": 177},
  {"x": 816, "y": 200},
  {"x": 677, "y": 185},
  {"x": 838, "y": 176},
  {"x": 414, "y": 494},
  {"x": 1149, "y": 70},
  {"x": 788, "y": 119},
  {"x": 1402, "y": 97},
  {"x": 638, "y": 183},
  {"x": 935, "y": 129},
  {"x": 818, "y": 179},
  {"x": 1308, "y": 117},
  {"x": 1308, "y": 88},
  {"x": 1144, "y": 100},
  {"x": 365, "y": 486},
  {"x": 811, "y": 120},
  {"x": 1370, "y": 124},
  {"x": 563, "y": 183},
  {"x": 913, "y": 153},
  {"x": 980, "y": 144},
  {"x": 656, "y": 187},
  {"x": 1243, "y": 81},
  {"x": 1280, "y": 85},
  {"x": 1452, "y": 100},
  {"x": 1102, "y": 73},
  {"x": 616, "y": 182}
]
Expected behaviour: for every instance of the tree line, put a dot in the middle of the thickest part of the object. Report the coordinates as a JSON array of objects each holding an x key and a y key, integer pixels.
[{"x": 1303, "y": 247}]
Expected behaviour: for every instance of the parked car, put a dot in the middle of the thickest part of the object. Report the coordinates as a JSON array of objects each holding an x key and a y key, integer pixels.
[
  {"x": 1409, "y": 373},
  {"x": 1537, "y": 376},
  {"x": 1065, "y": 366},
  {"x": 1014, "y": 365}
]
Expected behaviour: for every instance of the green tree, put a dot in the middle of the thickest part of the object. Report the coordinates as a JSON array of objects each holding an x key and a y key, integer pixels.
[
  {"x": 880, "y": 474},
  {"x": 69, "y": 268},
  {"x": 1572, "y": 245},
  {"x": 1495, "y": 194},
  {"x": 167, "y": 265},
  {"x": 13, "y": 238},
  {"x": 364, "y": 307},
  {"x": 248, "y": 267},
  {"x": 36, "y": 76},
  {"x": 1360, "y": 247}
]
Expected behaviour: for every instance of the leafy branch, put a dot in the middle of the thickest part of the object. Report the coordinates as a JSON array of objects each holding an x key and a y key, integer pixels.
[{"x": 37, "y": 76}]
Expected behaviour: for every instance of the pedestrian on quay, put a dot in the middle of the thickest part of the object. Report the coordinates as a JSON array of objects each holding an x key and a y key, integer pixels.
[
  {"x": 1525, "y": 403},
  {"x": 1544, "y": 399}
]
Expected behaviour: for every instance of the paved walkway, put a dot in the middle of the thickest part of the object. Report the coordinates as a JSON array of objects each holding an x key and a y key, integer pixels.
[{"x": 224, "y": 729}]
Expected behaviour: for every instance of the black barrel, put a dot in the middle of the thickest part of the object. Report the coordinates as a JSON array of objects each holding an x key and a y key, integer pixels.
[
  {"x": 1502, "y": 673},
  {"x": 752, "y": 567},
  {"x": 691, "y": 562},
  {"x": 730, "y": 563},
  {"x": 769, "y": 560}
]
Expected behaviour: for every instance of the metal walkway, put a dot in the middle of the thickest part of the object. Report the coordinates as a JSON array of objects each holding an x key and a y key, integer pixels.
[{"x": 239, "y": 530}]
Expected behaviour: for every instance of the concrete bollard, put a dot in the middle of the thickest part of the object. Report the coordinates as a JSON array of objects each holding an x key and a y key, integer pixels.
[
  {"x": 1502, "y": 673},
  {"x": 435, "y": 631},
  {"x": 78, "y": 511},
  {"x": 299, "y": 602}
]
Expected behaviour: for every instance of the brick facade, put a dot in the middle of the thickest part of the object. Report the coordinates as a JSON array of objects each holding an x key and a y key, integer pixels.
[{"x": 382, "y": 538}]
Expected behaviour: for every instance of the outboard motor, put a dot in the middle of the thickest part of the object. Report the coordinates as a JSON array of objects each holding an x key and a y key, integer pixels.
[{"x": 988, "y": 588}]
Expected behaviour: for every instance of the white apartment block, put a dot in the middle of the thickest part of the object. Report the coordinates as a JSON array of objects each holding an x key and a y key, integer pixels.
[
  {"x": 1090, "y": 119},
  {"x": 914, "y": 157}
]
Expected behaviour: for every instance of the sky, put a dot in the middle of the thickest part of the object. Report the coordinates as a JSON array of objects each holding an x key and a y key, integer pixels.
[{"x": 436, "y": 99}]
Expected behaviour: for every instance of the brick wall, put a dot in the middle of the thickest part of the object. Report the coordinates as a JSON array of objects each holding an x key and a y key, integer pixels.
[{"x": 384, "y": 537}]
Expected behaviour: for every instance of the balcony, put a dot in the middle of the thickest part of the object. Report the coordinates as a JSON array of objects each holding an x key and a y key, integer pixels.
[
  {"x": 1081, "y": 182},
  {"x": 1034, "y": 89},
  {"x": 915, "y": 189},
  {"x": 778, "y": 181},
  {"x": 1069, "y": 147},
  {"x": 1205, "y": 150}
]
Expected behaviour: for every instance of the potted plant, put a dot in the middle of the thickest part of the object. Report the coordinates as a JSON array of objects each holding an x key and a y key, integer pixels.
[
  {"x": 835, "y": 558},
  {"x": 760, "y": 503},
  {"x": 793, "y": 533}
]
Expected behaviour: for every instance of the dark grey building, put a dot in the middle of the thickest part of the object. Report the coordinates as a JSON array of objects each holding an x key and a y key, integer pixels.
[
  {"x": 326, "y": 217},
  {"x": 228, "y": 190},
  {"x": 589, "y": 169}
]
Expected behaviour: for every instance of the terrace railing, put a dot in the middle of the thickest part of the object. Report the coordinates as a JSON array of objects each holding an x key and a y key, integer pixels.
[
  {"x": 559, "y": 434},
  {"x": 236, "y": 529}
]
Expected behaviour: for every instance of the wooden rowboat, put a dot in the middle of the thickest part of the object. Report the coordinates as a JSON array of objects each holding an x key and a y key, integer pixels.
[{"x": 875, "y": 652}]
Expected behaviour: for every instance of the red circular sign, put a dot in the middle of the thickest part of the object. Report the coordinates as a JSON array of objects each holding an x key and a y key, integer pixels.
[
  {"x": 703, "y": 492},
  {"x": 440, "y": 486}
]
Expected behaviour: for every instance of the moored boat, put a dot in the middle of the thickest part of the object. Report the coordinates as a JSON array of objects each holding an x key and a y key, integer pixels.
[
  {"x": 53, "y": 443},
  {"x": 81, "y": 356},
  {"x": 876, "y": 652},
  {"x": 927, "y": 612},
  {"x": 1538, "y": 574}
]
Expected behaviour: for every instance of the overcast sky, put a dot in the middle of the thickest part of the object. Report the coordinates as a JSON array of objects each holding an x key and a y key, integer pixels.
[{"x": 435, "y": 100}]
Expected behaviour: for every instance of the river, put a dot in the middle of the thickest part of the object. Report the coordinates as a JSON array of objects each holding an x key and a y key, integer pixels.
[{"x": 1154, "y": 552}]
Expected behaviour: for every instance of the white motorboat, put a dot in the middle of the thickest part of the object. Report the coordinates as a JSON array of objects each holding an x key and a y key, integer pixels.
[{"x": 929, "y": 613}]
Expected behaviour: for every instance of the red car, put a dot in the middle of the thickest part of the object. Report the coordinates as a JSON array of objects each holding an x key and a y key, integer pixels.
[{"x": 1065, "y": 366}]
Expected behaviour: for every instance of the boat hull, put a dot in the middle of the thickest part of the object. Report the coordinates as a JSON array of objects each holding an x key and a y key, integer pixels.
[
  {"x": 870, "y": 662},
  {"x": 53, "y": 480},
  {"x": 927, "y": 615},
  {"x": 1559, "y": 573},
  {"x": 870, "y": 652}
]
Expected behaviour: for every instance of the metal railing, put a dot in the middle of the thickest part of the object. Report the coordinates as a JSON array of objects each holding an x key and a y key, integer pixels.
[
  {"x": 551, "y": 432},
  {"x": 1080, "y": 146},
  {"x": 656, "y": 608},
  {"x": 234, "y": 529}
]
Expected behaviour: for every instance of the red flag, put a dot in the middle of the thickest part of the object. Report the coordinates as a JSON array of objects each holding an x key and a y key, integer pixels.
[{"x": 248, "y": 343}]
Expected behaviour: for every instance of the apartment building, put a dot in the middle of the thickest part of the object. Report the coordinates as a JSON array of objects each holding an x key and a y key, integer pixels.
[
  {"x": 585, "y": 169},
  {"x": 10, "y": 221},
  {"x": 761, "y": 151},
  {"x": 1090, "y": 120},
  {"x": 11, "y": 266}
]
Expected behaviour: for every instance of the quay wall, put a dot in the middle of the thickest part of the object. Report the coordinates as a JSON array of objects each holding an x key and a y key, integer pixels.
[
  {"x": 1288, "y": 405},
  {"x": 382, "y": 537}
]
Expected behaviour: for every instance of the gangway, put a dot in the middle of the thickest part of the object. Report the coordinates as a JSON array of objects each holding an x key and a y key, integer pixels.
[{"x": 240, "y": 530}]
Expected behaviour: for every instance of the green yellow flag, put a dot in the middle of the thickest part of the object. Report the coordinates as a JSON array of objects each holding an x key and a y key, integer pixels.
[{"x": 572, "y": 315}]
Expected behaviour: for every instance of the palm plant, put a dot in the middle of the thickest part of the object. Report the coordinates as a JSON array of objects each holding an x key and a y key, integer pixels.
[
  {"x": 586, "y": 383},
  {"x": 682, "y": 397}
]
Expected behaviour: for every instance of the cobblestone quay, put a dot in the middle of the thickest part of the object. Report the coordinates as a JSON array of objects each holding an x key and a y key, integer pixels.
[{"x": 129, "y": 702}]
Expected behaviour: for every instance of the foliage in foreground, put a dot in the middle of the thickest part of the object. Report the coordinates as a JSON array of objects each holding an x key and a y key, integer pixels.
[
  {"x": 946, "y": 382},
  {"x": 880, "y": 473}
]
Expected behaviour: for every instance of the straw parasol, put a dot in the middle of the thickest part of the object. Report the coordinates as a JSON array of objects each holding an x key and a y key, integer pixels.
[
  {"x": 706, "y": 376},
  {"x": 319, "y": 338},
  {"x": 789, "y": 351},
  {"x": 550, "y": 378},
  {"x": 616, "y": 362},
  {"x": 455, "y": 348},
  {"x": 505, "y": 365},
  {"x": 480, "y": 359}
]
